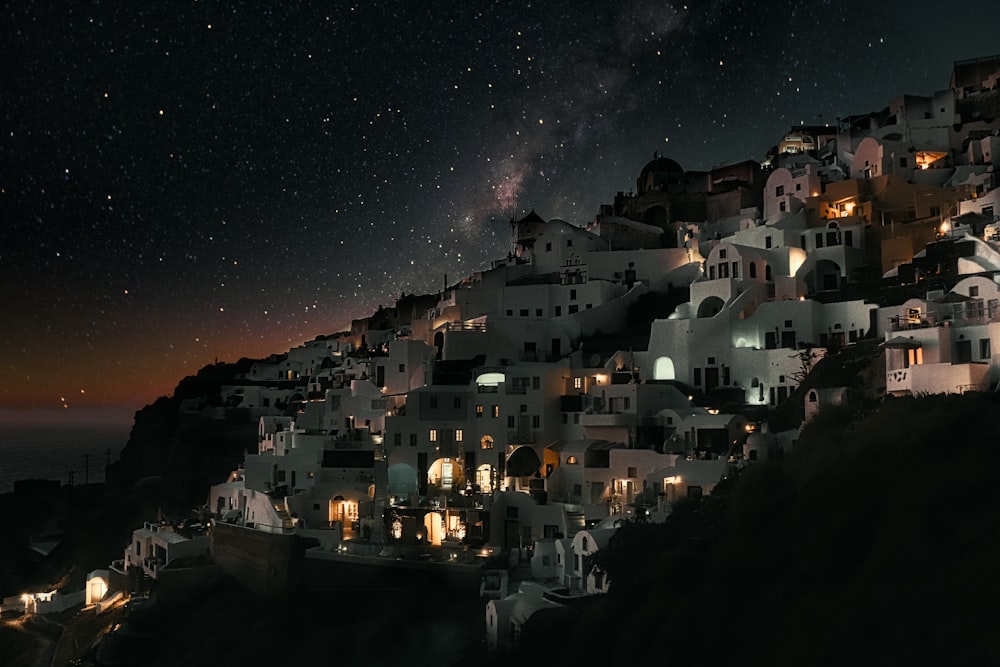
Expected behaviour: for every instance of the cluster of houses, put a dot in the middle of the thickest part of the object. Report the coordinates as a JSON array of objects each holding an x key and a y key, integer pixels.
[{"x": 528, "y": 407}]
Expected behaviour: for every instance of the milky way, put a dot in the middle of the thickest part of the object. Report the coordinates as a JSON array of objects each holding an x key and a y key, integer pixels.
[{"x": 204, "y": 181}]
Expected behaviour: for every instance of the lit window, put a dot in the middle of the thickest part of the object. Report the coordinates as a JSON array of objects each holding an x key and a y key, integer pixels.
[
  {"x": 458, "y": 435},
  {"x": 571, "y": 460},
  {"x": 496, "y": 411},
  {"x": 577, "y": 383},
  {"x": 486, "y": 442},
  {"x": 479, "y": 411},
  {"x": 433, "y": 435}
]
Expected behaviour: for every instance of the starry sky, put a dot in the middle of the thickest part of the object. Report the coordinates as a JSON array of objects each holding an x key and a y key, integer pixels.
[{"x": 188, "y": 182}]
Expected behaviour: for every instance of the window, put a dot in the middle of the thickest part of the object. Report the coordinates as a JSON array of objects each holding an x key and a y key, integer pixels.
[
  {"x": 523, "y": 312},
  {"x": 753, "y": 270},
  {"x": 902, "y": 162},
  {"x": 457, "y": 402},
  {"x": 432, "y": 435},
  {"x": 558, "y": 311},
  {"x": 569, "y": 243},
  {"x": 819, "y": 240},
  {"x": 434, "y": 402},
  {"x": 402, "y": 368},
  {"x": 722, "y": 253},
  {"x": 397, "y": 439},
  {"x": 782, "y": 206},
  {"x": 573, "y": 309},
  {"x": 767, "y": 241},
  {"x": 697, "y": 376},
  {"x": 577, "y": 383},
  {"x": 459, "y": 435},
  {"x": 798, "y": 187},
  {"x": 711, "y": 361},
  {"x": 788, "y": 324},
  {"x": 479, "y": 411},
  {"x": 572, "y": 295},
  {"x": 523, "y": 408},
  {"x": 974, "y": 290},
  {"x": 984, "y": 348},
  {"x": 736, "y": 270},
  {"x": 496, "y": 411},
  {"x": 571, "y": 460},
  {"x": 510, "y": 312},
  {"x": 548, "y": 247},
  {"x": 510, "y": 421},
  {"x": 632, "y": 472},
  {"x": 538, "y": 312},
  {"x": 486, "y": 442},
  {"x": 413, "y": 440},
  {"x": 779, "y": 191},
  {"x": 536, "y": 420}
]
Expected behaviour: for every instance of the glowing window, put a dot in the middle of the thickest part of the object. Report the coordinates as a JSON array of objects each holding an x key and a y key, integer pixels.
[
  {"x": 577, "y": 383},
  {"x": 433, "y": 435},
  {"x": 571, "y": 460},
  {"x": 458, "y": 435}
]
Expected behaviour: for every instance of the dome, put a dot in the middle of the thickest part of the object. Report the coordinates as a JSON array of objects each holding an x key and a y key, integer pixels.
[
  {"x": 661, "y": 165},
  {"x": 659, "y": 171}
]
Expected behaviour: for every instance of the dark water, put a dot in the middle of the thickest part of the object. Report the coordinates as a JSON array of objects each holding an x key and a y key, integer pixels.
[{"x": 53, "y": 451}]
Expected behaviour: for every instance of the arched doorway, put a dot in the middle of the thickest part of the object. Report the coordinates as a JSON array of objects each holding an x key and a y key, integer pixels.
[
  {"x": 445, "y": 475},
  {"x": 663, "y": 369},
  {"x": 710, "y": 307}
]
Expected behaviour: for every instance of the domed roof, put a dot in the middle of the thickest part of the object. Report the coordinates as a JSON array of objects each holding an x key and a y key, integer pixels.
[{"x": 661, "y": 165}]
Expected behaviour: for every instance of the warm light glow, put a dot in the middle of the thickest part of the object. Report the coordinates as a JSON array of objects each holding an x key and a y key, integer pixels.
[
  {"x": 675, "y": 479},
  {"x": 397, "y": 529},
  {"x": 945, "y": 227}
]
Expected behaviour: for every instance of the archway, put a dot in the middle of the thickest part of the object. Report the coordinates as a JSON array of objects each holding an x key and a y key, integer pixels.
[
  {"x": 824, "y": 277},
  {"x": 446, "y": 474},
  {"x": 710, "y": 307},
  {"x": 663, "y": 369}
]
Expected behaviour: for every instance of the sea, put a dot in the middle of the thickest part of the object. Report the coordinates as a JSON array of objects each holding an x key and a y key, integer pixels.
[{"x": 67, "y": 453}]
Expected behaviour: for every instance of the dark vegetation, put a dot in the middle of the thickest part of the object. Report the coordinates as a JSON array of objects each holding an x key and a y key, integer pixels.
[{"x": 874, "y": 542}]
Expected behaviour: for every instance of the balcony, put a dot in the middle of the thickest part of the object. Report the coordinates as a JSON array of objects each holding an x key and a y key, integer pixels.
[
  {"x": 522, "y": 437},
  {"x": 608, "y": 418},
  {"x": 897, "y": 380}
]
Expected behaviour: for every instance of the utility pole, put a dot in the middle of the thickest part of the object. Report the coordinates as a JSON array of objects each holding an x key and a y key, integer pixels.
[{"x": 86, "y": 468}]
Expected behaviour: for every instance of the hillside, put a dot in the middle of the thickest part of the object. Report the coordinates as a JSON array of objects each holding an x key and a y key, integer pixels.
[{"x": 875, "y": 538}]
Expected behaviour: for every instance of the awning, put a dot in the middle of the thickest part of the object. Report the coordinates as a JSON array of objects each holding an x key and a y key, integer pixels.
[{"x": 901, "y": 343}]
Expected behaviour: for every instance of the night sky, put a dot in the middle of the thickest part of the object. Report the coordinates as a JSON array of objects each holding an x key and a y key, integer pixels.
[{"x": 186, "y": 182}]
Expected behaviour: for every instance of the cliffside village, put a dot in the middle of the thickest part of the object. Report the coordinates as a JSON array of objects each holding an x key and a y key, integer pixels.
[{"x": 516, "y": 418}]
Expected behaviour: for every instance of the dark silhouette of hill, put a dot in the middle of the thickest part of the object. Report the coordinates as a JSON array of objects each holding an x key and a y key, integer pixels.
[{"x": 873, "y": 542}]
